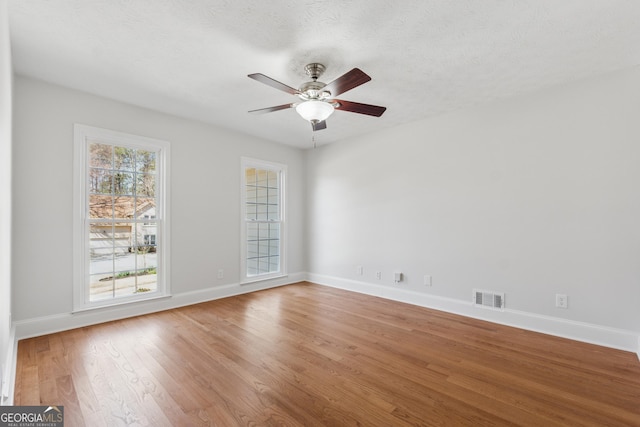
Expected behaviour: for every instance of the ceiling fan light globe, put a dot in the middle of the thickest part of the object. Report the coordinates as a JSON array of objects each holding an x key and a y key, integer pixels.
[{"x": 314, "y": 110}]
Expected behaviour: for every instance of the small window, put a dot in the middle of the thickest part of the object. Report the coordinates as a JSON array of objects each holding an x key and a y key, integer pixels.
[
  {"x": 121, "y": 241},
  {"x": 263, "y": 220}
]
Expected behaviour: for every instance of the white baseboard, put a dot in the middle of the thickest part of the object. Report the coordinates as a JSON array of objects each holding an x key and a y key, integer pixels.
[
  {"x": 62, "y": 322},
  {"x": 580, "y": 331}
]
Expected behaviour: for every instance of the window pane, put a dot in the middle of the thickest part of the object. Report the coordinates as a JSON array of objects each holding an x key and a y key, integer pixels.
[
  {"x": 124, "y": 207},
  {"x": 146, "y": 185},
  {"x": 262, "y": 178},
  {"x": 101, "y": 262},
  {"x": 100, "y": 236},
  {"x": 274, "y": 264},
  {"x": 268, "y": 265},
  {"x": 274, "y": 230},
  {"x": 124, "y": 158},
  {"x": 100, "y": 257},
  {"x": 146, "y": 260},
  {"x": 262, "y": 212},
  {"x": 273, "y": 212},
  {"x": 261, "y": 195},
  {"x": 251, "y": 211},
  {"x": 252, "y": 250},
  {"x": 124, "y": 263},
  {"x": 272, "y": 177},
  {"x": 123, "y": 239},
  {"x": 145, "y": 209},
  {"x": 250, "y": 176},
  {"x": 251, "y": 193},
  {"x": 100, "y": 156},
  {"x": 123, "y": 183},
  {"x": 101, "y": 287},
  {"x": 274, "y": 247},
  {"x": 252, "y": 267},
  {"x": 100, "y": 181},
  {"x": 146, "y": 161},
  {"x": 252, "y": 231},
  {"x": 263, "y": 248},
  {"x": 263, "y": 231},
  {"x": 146, "y": 280},
  {"x": 100, "y": 206},
  {"x": 263, "y": 265},
  {"x": 273, "y": 197}
]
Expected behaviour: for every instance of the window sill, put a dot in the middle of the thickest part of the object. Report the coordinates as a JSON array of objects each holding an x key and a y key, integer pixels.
[
  {"x": 250, "y": 280},
  {"x": 113, "y": 304}
]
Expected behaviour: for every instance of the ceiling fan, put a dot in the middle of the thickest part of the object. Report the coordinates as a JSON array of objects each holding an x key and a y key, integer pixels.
[{"x": 317, "y": 100}]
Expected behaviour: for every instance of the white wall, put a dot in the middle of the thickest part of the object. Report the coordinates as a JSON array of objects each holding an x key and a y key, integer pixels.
[
  {"x": 6, "y": 346},
  {"x": 530, "y": 196},
  {"x": 205, "y": 200}
]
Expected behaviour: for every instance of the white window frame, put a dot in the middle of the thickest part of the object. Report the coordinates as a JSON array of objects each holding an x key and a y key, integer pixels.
[
  {"x": 83, "y": 134},
  {"x": 247, "y": 162}
]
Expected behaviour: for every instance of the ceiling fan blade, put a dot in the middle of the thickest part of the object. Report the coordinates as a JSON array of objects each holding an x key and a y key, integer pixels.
[
  {"x": 348, "y": 81},
  {"x": 356, "y": 107},
  {"x": 273, "y": 83},
  {"x": 319, "y": 125},
  {"x": 271, "y": 109}
]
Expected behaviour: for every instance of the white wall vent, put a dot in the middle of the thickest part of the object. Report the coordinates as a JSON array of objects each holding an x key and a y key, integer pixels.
[{"x": 488, "y": 299}]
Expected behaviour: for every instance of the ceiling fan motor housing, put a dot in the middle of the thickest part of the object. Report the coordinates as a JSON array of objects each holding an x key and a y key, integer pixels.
[{"x": 313, "y": 90}]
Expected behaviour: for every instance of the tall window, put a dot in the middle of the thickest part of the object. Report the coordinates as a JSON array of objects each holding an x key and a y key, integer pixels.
[
  {"x": 263, "y": 226},
  {"x": 121, "y": 250}
]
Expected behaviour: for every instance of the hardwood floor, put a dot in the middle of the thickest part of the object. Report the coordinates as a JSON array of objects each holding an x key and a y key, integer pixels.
[{"x": 311, "y": 355}]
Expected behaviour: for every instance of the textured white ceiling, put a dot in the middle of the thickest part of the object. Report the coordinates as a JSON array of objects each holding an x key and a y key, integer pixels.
[{"x": 191, "y": 57}]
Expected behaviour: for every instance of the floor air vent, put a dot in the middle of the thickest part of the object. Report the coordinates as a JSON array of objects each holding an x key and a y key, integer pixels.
[{"x": 488, "y": 299}]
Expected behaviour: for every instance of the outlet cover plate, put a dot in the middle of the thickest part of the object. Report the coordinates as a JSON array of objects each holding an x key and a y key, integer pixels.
[{"x": 562, "y": 301}]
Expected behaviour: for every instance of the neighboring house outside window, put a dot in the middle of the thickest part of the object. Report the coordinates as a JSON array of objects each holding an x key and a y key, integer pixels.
[
  {"x": 120, "y": 214},
  {"x": 263, "y": 220},
  {"x": 150, "y": 240}
]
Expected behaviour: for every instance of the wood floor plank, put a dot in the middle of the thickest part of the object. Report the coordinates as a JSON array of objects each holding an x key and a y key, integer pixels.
[
  {"x": 29, "y": 390},
  {"x": 311, "y": 355}
]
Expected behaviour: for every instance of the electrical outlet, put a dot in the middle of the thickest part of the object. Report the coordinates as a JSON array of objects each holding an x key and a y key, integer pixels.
[
  {"x": 562, "y": 301},
  {"x": 359, "y": 270},
  {"x": 378, "y": 275},
  {"x": 220, "y": 274},
  {"x": 427, "y": 281}
]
